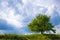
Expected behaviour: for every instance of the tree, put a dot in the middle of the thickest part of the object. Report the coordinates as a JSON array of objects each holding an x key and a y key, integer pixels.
[{"x": 41, "y": 23}]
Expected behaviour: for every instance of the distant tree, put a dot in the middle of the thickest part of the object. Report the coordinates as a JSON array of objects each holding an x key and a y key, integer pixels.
[{"x": 41, "y": 23}]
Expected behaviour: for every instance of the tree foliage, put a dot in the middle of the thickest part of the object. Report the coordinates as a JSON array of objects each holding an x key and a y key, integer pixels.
[{"x": 41, "y": 23}]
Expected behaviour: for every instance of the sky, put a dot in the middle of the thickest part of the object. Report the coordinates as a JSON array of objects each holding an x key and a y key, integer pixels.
[{"x": 15, "y": 15}]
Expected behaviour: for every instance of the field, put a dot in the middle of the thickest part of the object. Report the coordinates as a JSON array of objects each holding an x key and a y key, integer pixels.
[{"x": 30, "y": 37}]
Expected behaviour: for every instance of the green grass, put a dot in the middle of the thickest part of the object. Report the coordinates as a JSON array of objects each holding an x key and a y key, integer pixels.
[{"x": 30, "y": 37}]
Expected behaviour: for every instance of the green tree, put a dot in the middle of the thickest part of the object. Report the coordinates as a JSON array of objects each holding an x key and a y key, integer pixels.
[{"x": 41, "y": 23}]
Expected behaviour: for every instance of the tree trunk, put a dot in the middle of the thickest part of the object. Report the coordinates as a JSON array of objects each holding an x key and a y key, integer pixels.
[{"x": 42, "y": 32}]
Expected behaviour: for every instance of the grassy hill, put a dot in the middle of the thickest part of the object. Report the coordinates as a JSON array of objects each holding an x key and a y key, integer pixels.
[{"x": 30, "y": 37}]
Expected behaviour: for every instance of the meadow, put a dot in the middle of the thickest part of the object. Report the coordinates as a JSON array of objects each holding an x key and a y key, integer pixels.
[{"x": 30, "y": 37}]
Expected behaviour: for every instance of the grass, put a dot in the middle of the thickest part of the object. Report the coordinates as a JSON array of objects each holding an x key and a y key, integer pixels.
[{"x": 30, "y": 37}]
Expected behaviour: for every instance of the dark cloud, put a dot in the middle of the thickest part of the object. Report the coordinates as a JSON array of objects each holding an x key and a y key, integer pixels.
[
  {"x": 56, "y": 18},
  {"x": 5, "y": 26}
]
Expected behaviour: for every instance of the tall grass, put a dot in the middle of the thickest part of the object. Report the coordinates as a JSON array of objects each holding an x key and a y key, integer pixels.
[{"x": 30, "y": 37}]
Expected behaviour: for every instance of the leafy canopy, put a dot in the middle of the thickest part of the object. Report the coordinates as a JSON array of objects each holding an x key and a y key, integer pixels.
[{"x": 41, "y": 24}]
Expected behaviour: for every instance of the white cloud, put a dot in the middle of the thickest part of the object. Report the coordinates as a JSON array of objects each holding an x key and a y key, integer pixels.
[
  {"x": 25, "y": 1},
  {"x": 29, "y": 8},
  {"x": 2, "y": 31},
  {"x": 11, "y": 18},
  {"x": 50, "y": 11},
  {"x": 57, "y": 27},
  {"x": 4, "y": 4}
]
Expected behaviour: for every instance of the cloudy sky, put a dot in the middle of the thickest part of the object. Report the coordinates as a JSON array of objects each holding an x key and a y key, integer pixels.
[{"x": 15, "y": 15}]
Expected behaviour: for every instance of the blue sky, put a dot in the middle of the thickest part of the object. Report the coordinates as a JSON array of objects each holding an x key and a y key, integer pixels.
[{"x": 15, "y": 15}]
